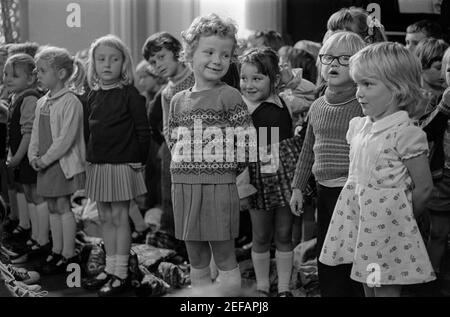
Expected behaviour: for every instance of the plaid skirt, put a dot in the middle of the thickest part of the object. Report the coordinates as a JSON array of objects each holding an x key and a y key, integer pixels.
[
  {"x": 274, "y": 189},
  {"x": 114, "y": 182}
]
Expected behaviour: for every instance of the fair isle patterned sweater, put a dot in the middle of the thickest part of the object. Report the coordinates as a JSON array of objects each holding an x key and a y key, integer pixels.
[{"x": 204, "y": 148}]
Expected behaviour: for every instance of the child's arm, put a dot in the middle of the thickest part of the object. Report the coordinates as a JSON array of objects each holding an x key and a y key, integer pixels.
[
  {"x": 419, "y": 171},
  {"x": 27, "y": 110},
  {"x": 70, "y": 130},
  {"x": 33, "y": 147},
  {"x": 138, "y": 112}
]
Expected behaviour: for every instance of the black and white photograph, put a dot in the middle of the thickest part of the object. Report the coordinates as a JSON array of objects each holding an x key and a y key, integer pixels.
[{"x": 221, "y": 154}]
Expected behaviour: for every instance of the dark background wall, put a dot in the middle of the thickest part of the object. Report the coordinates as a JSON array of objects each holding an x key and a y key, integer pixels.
[{"x": 307, "y": 19}]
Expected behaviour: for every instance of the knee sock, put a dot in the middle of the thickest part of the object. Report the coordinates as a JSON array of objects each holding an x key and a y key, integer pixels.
[
  {"x": 261, "y": 265},
  {"x": 230, "y": 282},
  {"x": 57, "y": 233},
  {"x": 284, "y": 269},
  {"x": 200, "y": 277},
  {"x": 34, "y": 221},
  {"x": 121, "y": 267},
  {"x": 22, "y": 206},
  {"x": 69, "y": 228},
  {"x": 43, "y": 223}
]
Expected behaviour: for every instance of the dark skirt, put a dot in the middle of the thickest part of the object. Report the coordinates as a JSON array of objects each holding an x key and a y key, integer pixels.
[
  {"x": 24, "y": 173},
  {"x": 274, "y": 189}
]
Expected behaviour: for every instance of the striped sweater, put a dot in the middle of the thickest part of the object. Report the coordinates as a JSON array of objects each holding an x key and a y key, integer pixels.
[
  {"x": 203, "y": 152},
  {"x": 325, "y": 151}
]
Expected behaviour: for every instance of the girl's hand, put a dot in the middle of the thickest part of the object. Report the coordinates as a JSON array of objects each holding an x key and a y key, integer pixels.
[
  {"x": 13, "y": 162},
  {"x": 39, "y": 164},
  {"x": 297, "y": 202},
  {"x": 34, "y": 166},
  {"x": 244, "y": 204}
]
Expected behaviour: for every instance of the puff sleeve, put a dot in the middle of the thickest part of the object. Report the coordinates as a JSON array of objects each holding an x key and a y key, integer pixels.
[{"x": 411, "y": 142}]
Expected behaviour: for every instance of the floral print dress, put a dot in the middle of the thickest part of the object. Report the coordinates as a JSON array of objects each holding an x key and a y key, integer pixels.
[{"x": 373, "y": 224}]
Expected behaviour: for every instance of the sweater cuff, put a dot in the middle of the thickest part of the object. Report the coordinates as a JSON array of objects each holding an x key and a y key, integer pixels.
[
  {"x": 444, "y": 108},
  {"x": 300, "y": 181}
]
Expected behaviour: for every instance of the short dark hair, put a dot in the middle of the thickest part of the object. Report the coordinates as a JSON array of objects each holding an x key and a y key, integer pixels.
[
  {"x": 266, "y": 60},
  {"x": 428, "y": 27},
  {"x": 271, "y": 38},
  {"x": 158, "y": 41}
]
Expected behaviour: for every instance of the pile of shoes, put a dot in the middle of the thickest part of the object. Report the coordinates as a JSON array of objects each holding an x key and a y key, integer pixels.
[{"x": 20, "y": 282}]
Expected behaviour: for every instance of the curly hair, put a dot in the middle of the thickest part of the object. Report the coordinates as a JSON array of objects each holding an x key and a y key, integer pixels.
[{"x": 208, "y": 25}]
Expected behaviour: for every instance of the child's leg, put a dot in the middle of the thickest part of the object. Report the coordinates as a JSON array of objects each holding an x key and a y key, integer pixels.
[
  {"x": 120, "y": 212},
  {"x": 22, "y": 206},
  {"x": 369, "y": 291},
  {"x": 32, "y": 212},
  {"x": 109, "y": 236},
  {"x": 69, "y": 226},
  {"x": 136, "y": 216},
  {"x": 55, "y": 226},
  {"x": 229, "y": 274},
  {"x": 388, "y": 291},
  {"x": 13, "y": 205},
  {"x": 283, "y": 241},
  {"x": 262, "y": 232},
  {"x": 199, "y": 253},
  {"x": 437, "y": 244}
]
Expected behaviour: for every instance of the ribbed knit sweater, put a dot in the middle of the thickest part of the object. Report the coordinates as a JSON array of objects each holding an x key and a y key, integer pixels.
[
  {"x": 325, "y": 150},
  {"x": 200, "y": 154}
]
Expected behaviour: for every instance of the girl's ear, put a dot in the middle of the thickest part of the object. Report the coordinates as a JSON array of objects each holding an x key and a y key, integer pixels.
[
  {"x": 277, "y": 80},
  {"x": 31, "y": 79},
  {"x": 62, "y": 74}
]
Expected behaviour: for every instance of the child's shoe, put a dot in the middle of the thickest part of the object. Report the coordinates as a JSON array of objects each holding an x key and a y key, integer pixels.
[
  {"x": 50, "y": 263},
  {"x": 95, "y": 283},
  {"x": 60, "y": 266},
  {"x": 23, "y": 275},
  {"x": 114, "y": 286},
  {"x": 38, "y": 250},
  {"x": 20, "y": 233}
]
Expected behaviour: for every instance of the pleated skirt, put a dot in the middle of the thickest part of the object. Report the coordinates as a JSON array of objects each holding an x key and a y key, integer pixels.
[
  {"x": 114, "y": 182},
  {"x": 205, "y": 212}
]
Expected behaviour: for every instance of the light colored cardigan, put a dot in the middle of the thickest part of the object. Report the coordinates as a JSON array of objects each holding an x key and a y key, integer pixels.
[{"x": 66, "y": 125}]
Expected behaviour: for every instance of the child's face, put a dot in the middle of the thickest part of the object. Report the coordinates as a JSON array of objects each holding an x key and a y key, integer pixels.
[
  {"x": 376, "y": 100},
  {"x": 412, "y": 39},
  {"x": 433, "y": 77},
  {"x": 145, "y": 81},
  {"x": 211, "y": 59},
  {"x": 164, "y": 63},
  {"x": 46, "y": 74},
  {"x": 17, "y": 80},
  {"x": 335, "y": 74},
  {"x": 254, "y": 85},
  {"x": 108, "y": 64}
]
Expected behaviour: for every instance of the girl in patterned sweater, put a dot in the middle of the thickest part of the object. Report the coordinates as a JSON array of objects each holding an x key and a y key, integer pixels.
[
  {"x": 325, "y": 151},
  {"x": 373, "y": 225},
  {"x": 204, "y": 193}
]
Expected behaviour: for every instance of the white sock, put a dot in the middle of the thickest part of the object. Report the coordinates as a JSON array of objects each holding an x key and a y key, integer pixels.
[
  {"x": 121, "y": 267},
  {"x": 200, "y": 277},
  {"x": 230, "y": 282},
  {"x": 261, "y": 265},
  {"x": 24, "y": 216},
  {"x": 43, "y": 223},
  {"x": 57, "y": 232},
  {"x": 69, "y": 228},
  {"x": 110, "y": 264},
  {"x": 34, "y": 221},
  {"x": 284, "y": 269}
]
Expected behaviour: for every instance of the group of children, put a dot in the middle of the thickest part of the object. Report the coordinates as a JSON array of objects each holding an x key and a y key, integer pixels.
[{"x": 362, "y": 144}]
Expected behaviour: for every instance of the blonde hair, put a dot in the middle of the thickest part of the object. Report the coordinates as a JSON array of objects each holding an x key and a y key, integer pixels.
[
  {"x": 397, "y": 68},
  {"x": 59, "y": 58},
  {"x": 350, "y": 41},
  {"x": 127, "y": 73},
  {"x": 208, "y": 25},
  {"x": 445, "y": 62}
]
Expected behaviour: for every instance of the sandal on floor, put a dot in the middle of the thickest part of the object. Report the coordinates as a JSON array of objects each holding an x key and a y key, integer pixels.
[{"x": 285, "y": 294}]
